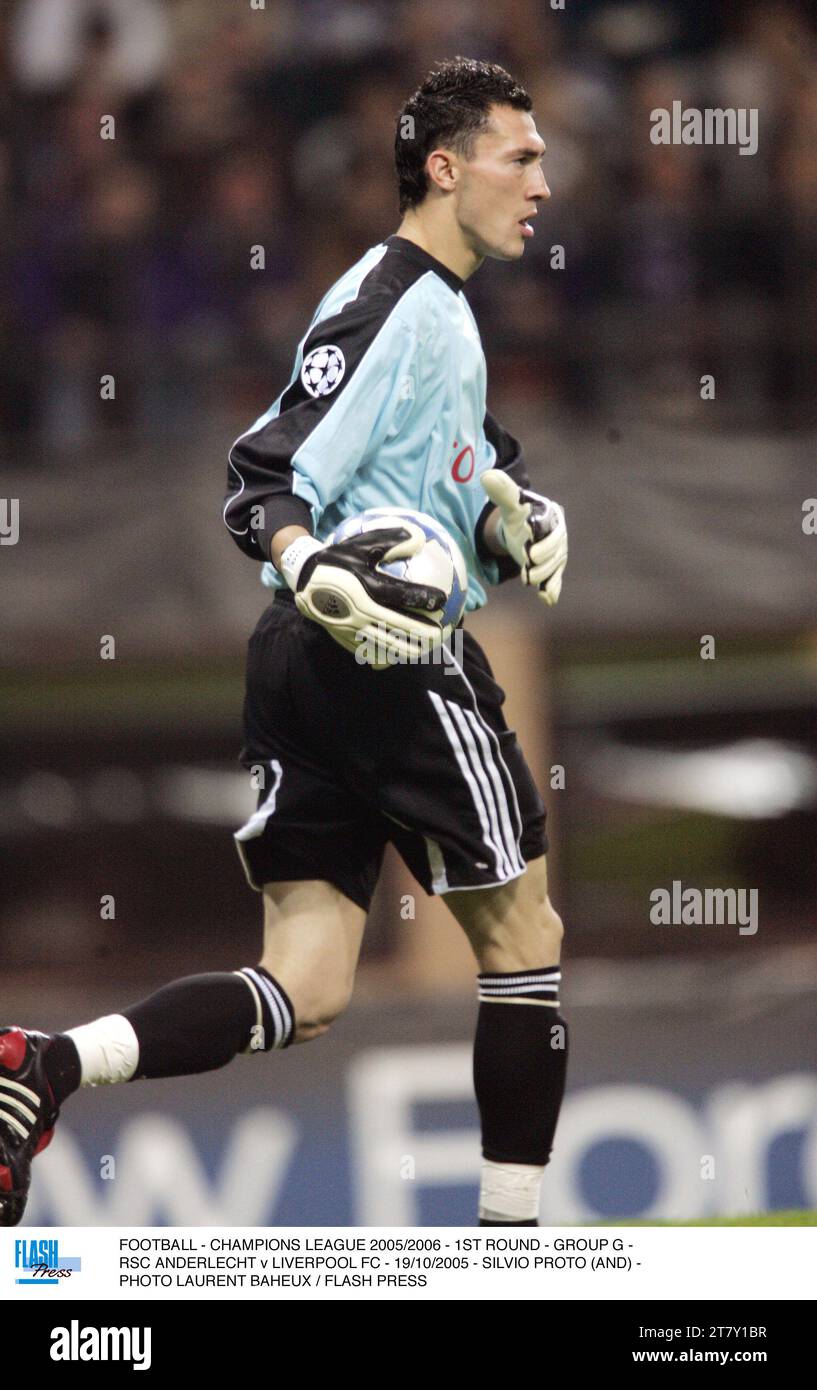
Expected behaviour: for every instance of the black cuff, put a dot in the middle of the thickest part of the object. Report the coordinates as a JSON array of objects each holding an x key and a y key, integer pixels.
[
  {"x": 280, "y": 510},
  {"x": 506, "y": 565}
]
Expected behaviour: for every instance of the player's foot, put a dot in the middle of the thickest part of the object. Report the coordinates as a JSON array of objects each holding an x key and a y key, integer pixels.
[{"x": 28, "y": 1113}]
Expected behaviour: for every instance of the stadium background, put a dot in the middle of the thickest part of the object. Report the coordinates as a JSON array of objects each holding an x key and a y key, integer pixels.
[{"x": 693, "y": 1088}]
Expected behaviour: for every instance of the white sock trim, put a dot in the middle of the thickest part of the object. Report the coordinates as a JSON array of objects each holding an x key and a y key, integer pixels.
[
  {"x": 108, "y": 1050},
  {"x": 509, "y": 1191},
  {"x": 258, "y": 1031}
]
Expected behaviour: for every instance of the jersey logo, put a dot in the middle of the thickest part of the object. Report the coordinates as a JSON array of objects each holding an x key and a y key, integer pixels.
[
  {"x": 462, "y": 469},
  {"x": 323, "y": 370}
]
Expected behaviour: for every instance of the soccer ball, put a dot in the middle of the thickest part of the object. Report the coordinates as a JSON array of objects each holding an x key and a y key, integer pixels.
[{"x": 440, "y": 562}]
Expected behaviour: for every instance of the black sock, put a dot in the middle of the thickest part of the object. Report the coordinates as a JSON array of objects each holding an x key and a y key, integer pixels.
[
  {"x": 62, "y": 1067},
  {"x": 484, "y": 1222},
  {"x": 192, "y": 1025},
  {"x": 520, "y": 1062},
  {"x": 201, "y": 1022}
]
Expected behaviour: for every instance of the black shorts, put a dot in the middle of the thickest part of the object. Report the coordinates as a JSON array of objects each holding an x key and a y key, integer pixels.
[{"x": 348, "y": 758}]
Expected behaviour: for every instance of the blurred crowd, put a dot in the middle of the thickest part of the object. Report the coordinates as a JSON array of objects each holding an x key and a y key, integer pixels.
[{"x": 126, "y": 245}]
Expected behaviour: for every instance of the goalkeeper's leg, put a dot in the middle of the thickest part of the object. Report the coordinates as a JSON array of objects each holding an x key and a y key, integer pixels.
[
  {"x": 520, "y": 1049},
  {"x": 312, "y": 936}
]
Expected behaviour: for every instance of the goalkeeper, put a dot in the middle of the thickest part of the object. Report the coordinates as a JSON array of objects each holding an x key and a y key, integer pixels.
[{"x": 385, "y": 407}]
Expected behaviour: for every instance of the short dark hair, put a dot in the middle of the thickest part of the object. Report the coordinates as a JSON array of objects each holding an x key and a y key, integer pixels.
[{"x": 450, "y": 108}]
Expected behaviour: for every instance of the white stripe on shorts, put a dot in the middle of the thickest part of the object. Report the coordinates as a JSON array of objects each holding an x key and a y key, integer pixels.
[
  {"x": 500, "y": 766},
  {"x": 255, "y": 825},
  {"x": 468, "y": 733},
  {"x": 494, "y": 846}
]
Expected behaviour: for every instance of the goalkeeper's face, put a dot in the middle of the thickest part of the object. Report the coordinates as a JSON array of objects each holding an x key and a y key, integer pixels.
[{"x": 501, "y": 185}]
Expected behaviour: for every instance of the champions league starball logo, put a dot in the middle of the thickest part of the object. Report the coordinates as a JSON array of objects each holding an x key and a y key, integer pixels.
[{"x": 323, "y": 370}]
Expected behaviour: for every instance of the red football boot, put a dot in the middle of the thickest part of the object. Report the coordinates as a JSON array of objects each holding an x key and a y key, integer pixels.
[{"x": 28, "y": 1113}]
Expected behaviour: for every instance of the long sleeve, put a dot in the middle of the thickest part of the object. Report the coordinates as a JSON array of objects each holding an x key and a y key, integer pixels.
[
  {"x": 347, "y": 394},
  {"x": 508, "y": 457}
]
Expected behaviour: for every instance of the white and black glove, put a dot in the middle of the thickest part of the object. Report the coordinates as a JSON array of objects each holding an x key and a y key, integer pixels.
[
  {"x": 533, "y": 531},
  {"x": 341, "y": 588}
]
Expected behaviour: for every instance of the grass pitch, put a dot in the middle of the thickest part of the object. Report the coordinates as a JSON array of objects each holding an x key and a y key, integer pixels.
[{"x": 766, "y": 1218}]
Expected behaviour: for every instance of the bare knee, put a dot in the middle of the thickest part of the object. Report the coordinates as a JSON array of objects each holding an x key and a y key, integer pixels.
[
  {"x": 316, "y": 1003},
  {"x": 314, "y": 1025},
  {"x": 312, "y": 936},
  {"x": 513, "y": 926},
  {"x": 552, "y": 927},
  {"x": 539, "y": 944},
  {"x": 521, "y": 941}
]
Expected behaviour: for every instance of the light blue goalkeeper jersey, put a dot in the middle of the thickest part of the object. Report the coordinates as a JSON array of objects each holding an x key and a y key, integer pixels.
[{"x": 385, "y": 407}]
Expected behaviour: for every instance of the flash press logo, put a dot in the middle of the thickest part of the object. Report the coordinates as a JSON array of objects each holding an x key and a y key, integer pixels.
[
  {"x": 39, "y": 1262},
  {"x": 75, "y": 1343}
]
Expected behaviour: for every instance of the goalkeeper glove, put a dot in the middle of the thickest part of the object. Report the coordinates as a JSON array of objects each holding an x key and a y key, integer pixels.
[
  {"x": 533, "y": 531},
  {"x": 342, "y": 588}
]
